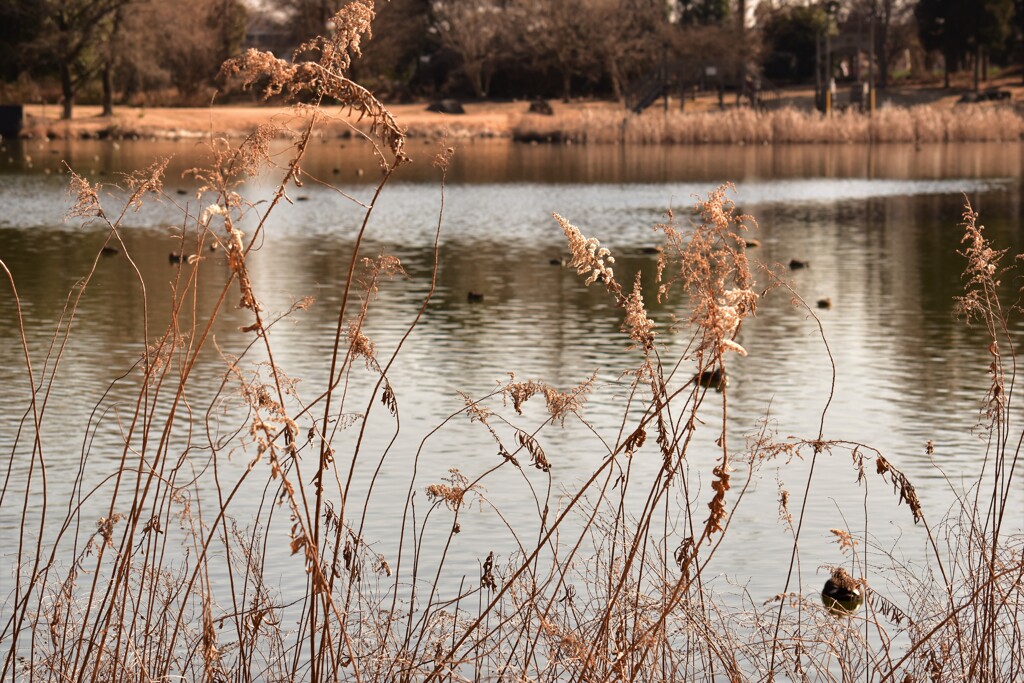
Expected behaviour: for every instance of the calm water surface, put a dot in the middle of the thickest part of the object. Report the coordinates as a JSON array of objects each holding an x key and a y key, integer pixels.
[{"x": 878, "y": 227}]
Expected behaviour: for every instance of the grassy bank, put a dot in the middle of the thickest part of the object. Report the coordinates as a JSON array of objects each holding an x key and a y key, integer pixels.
[
  {"x": 577, "y": 122},
  {"x": 612, "y": 580}
]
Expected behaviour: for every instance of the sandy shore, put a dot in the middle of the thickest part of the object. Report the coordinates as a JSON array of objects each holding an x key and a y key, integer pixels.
[{"x": 481, "y": 120}]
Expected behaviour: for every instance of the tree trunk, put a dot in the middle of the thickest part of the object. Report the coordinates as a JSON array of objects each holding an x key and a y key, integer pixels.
[
  {"x": 108, "y": 64},
  {"x": 485, "y": 82},
  {"x": 67, "y": 90},
  {"x": 741, "y": 48},
  {"x": 566, "y": 85},
  {"x": 474, "y": 72},
  {"x": 882, "y": 53},
  {"x": 108, "y": 89},
  {"x": 613, "y": 74},
  {"x": 882, "y": 46},
  {"x": 977, "y": 68}
]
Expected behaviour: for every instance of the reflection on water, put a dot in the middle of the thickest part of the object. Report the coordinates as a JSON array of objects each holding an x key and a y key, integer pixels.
[
  {"x": 878, "y": 227},
  {"x": 476, "y": 161}
]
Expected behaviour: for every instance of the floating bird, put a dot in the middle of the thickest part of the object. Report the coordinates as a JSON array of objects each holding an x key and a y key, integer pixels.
[
  {"x": 109, "y": 250},
  {"x": 841, "y": 595},
  {"x": 174, "y": 257},
  {"x": 474, "y": 297},
  {"x": 797, "y": 264},
  {"x": 825, "y": 303},
  {"x": 712, "y": 379},
  {"x": 180, "y": 191},
  {"x": 751, "y": 243}
]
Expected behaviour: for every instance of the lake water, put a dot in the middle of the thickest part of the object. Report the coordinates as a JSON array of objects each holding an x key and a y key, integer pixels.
[{"x": 877, "y": 225}]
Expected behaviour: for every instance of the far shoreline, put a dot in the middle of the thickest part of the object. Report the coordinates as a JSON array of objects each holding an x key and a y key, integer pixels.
[{"x": 915, "y": 115}]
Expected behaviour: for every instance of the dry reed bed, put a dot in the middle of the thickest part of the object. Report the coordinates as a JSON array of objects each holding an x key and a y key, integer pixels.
[
  {"x": 592, "y": 589},
  {"x": 922, "y": 124}
]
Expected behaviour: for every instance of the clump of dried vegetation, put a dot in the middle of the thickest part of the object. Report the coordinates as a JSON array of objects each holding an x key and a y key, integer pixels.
[
  {"x": 616, "y": 580},
  {"x": 923, "y": 124}
]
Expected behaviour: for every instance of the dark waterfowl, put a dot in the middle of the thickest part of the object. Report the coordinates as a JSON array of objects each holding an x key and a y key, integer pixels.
[
  {"x": 474, "y": 297},
  {"x": 842, "y": 594},
  {"x": 174, "y": 257},
  {"x": 797, "y": 264},
  {"x": 712, "y": 379},
  {"x": 110, "y": 251},
  {"x": 825, "y": 303},
  {"x": 752, "y": 243}
]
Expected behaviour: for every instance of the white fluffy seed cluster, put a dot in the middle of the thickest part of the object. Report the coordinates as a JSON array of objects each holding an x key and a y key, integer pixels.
[{"x": 588, "y": 256}]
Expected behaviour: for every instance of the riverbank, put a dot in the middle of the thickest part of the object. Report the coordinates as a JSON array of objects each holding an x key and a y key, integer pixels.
[
  {"x": 485, "y": 120},
  {"x": 910, "y": 114}
]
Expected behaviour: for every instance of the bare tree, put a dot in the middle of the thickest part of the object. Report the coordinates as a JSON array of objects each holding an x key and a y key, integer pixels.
[
  {"x": 893, "y": 27},
  {"x": 391, "y": 58},
  {"x": 75, "y": 33},
  {"x": 179, "y": 45},
  {"x": 202, "y": 34},
  {"x": 697, "y": 46},
  {"x": 557, "y": 35},
  {"x": 628, "y": 37},
  {"x": 110, "y": 62},
  {"x": 308, "y": 18},
  {"x": 473, "y": 31}
]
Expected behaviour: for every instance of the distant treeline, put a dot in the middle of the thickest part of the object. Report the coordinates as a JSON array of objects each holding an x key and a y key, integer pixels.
[{"x": 158, "y": 52}]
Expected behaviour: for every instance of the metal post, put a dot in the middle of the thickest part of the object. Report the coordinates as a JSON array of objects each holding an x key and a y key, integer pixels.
[
  {"x": 819, "y": 91},
  {"x": 664, "y": 75},
  {"x": 828, "y": 63},
  {"x": 831, "y": 7}
]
